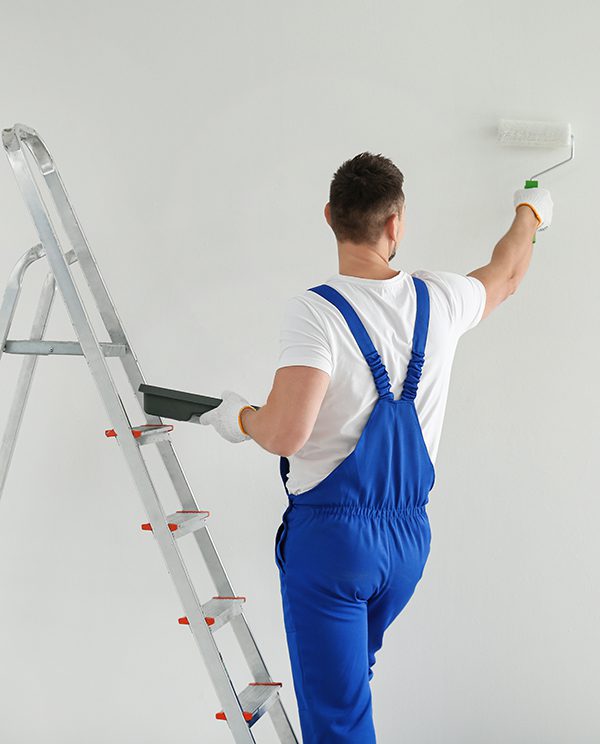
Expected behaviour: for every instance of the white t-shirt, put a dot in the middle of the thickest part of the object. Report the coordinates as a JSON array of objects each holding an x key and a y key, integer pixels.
[{"x": 314, "y": 333}]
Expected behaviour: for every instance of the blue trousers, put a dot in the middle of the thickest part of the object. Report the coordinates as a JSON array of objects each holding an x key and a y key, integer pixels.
[{"x": 345, "y": 574}]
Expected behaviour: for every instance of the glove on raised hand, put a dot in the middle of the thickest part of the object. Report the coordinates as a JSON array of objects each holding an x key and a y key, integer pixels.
[
  {"x": 540, "y": 202},
  {"x": 226, "y": 417}
]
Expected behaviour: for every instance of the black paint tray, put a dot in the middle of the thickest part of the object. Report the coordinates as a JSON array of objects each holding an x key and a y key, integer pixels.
[{"x": 175, "y": 404}]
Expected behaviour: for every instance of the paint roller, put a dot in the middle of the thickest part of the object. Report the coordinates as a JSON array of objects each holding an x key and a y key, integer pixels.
[
  {"x": 542, "y": 134},
  {"x": 537, "y": 134}
]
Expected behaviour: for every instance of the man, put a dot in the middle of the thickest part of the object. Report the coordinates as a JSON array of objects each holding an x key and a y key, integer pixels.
[{"x": 356, "y": 414}]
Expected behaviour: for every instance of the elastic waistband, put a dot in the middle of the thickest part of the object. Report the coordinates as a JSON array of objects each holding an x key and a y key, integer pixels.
[{"x": 359, "y": 510}]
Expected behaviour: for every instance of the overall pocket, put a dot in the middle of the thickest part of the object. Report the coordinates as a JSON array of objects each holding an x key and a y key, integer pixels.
[{"x": 279, "y": 539}]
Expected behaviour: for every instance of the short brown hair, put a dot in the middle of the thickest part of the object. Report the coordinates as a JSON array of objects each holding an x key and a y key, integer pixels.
[{"x": 364, "y": 192}]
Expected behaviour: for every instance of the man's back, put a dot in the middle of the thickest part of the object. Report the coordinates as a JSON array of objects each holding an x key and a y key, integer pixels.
[{"x": 313, "y": 333}]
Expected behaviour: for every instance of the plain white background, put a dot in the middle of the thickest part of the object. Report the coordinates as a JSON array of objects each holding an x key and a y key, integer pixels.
[{"x": 197, "y": 141}]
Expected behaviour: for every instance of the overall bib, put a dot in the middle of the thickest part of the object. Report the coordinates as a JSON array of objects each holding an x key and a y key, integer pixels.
[{"x": 351, "y": 550}]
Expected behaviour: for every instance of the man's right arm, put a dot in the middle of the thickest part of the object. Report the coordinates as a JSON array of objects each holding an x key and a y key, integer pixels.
[{"x": 512, "y": 255}]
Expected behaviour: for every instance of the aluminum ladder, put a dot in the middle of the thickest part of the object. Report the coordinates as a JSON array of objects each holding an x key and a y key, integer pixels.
[{"x": 33, "y": 166}]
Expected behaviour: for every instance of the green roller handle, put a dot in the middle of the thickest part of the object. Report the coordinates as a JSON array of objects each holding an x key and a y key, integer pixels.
[{"x": 531, "y": 185}]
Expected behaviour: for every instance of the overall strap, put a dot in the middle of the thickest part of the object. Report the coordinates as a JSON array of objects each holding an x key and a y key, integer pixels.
[
  {"x": 413, "y": 373},
  {"x": 370, "y": 353}
]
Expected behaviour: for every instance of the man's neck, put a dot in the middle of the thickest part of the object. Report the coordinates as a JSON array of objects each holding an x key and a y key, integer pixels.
[
  {"x": 350, "y": 268},
  {"x": 365, "y": 262},
  {"x": 375, "y": 274}
]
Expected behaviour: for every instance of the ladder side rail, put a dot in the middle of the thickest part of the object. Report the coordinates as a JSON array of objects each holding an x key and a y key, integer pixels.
[
  {"x": 88, "y": 264},
  {"x": 17, "y": 409},
  {"x": 135, "y": 376},
  {"x": 281, "y": 723},
  {"x": 239, "y": 623},
  {"x": 13, "y": 291},
  {"x": 91, "y": 272},
  {"x": 24, "y": 380},
  {"x": 116, "y": 331},
  {"x": 114, "y": 326},
  {"x": 118, "y": 416}
]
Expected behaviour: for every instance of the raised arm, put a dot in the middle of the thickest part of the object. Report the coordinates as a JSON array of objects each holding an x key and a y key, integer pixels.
[{"x": 512, "y": 254}]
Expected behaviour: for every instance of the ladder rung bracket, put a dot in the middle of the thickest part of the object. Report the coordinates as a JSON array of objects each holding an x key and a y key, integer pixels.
[
  {"x": 147, "y": 433},
  {"x": 184, "y": 522},
  {"x": 255, "y": 700},
  {"x": 218, "y": 611},
  {"x": 61, "y": 348}
]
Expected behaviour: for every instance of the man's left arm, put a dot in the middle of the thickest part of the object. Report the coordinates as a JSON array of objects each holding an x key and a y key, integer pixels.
[
  {"x": 283, "y": 425},
  {"x": 304, "y": 368}
]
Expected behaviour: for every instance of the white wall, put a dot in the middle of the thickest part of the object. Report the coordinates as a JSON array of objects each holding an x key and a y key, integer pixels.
[{"x": 197, "y": 141}]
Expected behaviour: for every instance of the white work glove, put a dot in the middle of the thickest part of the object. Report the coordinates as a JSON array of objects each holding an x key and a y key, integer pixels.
[
  {"x": 540, "y": 202},
  {"x": 226, "y": 417}
]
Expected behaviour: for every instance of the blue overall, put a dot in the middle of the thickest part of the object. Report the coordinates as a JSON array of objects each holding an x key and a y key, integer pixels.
[{"x": 351, "y": 550}]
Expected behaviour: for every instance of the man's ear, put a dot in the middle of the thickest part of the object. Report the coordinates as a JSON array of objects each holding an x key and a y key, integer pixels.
[
  {"x": 391, "y": 225},
  {"x": 402, "y": 219},
  {"x": 327, "y": 212}
]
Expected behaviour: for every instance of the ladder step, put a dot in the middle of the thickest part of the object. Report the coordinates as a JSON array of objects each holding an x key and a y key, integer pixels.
[
  {"x": 218, "y": 611},
  {"x": 183, "y": 522},
  {"x": 255, "y": 700},
  {"x": 147, "y": 433},
  {"x": 70, "y": 348}
]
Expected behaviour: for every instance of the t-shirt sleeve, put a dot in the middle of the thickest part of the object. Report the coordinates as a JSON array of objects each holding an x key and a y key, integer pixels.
[
  {"x": 464, "y": 297},
  {"x": 302, "y": 337}
]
